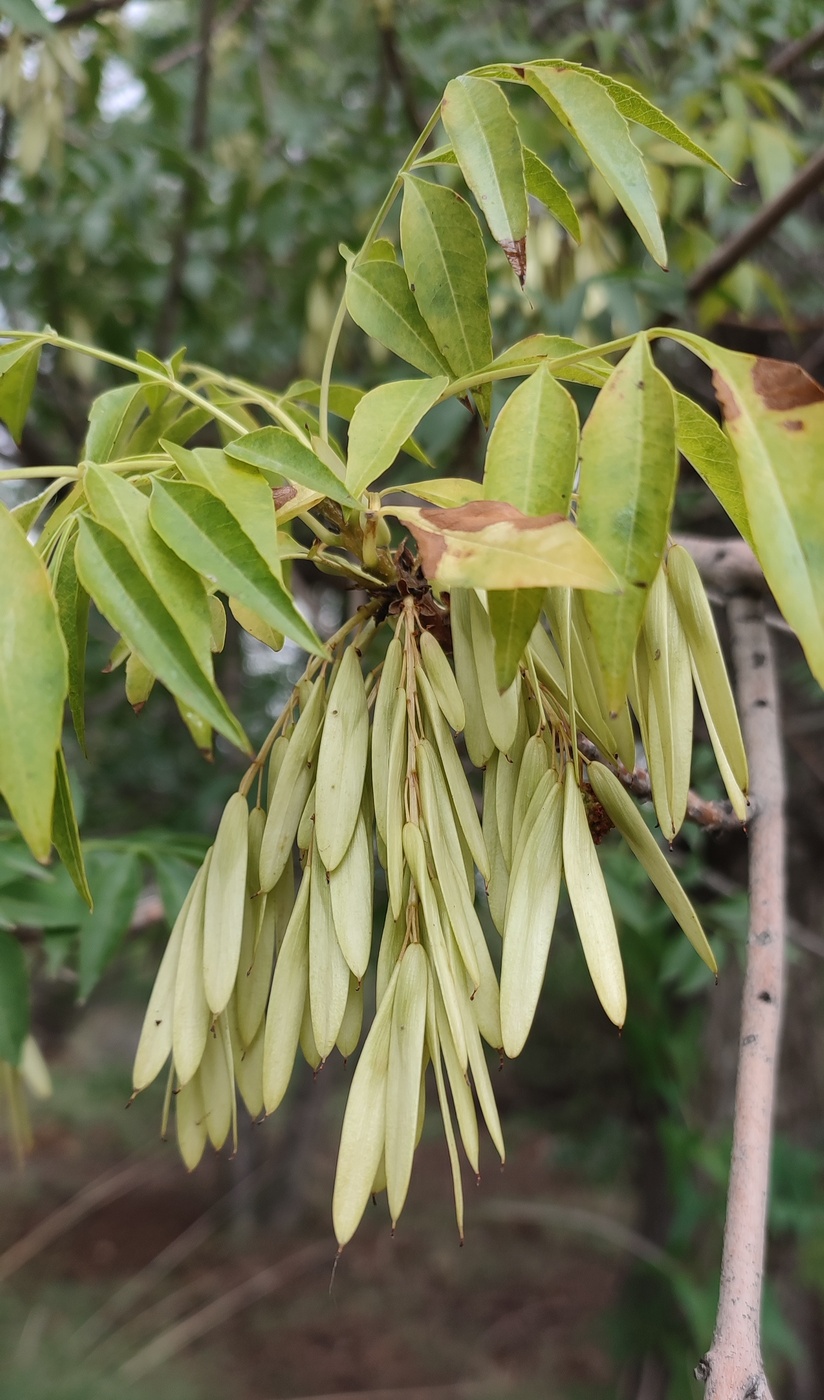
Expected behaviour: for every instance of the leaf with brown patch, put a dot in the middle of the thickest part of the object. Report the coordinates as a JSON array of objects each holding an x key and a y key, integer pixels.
[{"x": 492, "y": 545}]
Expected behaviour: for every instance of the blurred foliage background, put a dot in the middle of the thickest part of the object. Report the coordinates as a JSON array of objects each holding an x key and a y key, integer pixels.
[{"x": 176, "y": 173}]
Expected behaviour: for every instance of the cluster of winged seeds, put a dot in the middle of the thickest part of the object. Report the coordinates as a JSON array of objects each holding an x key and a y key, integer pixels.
[{"x": 269, "y": 953}]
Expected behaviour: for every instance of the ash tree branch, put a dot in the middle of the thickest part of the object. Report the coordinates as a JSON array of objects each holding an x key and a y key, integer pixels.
[{"x": 733, "y": 1367}]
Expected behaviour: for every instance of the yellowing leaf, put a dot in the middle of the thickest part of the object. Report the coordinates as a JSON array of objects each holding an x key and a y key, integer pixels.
[
  {"x": 379, "y": 300},
  {"x": 589, "y": 113},
  {"x": 443, "y": 490},
  {"x": 491, "y": 545},
  {"x": 542, "y": 185},
  {"x": 710, "y": 452},
  {"x": 485, "y": 139},
  {"x": 381, "y": 424},
  {"x": 445, "y": 264},
  {"x": 33, "y": 686},
  {"x": 626, "y": 491}
]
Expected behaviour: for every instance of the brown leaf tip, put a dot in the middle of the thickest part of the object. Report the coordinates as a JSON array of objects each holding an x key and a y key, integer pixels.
[{"x": 515, "y": 250}]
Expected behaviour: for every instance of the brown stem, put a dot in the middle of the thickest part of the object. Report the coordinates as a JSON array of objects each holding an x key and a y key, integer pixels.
[
  {"x": 713, "y": 816},
  {"x": 809, "y": 177},
  {"x": 733, "y": 1368},
  {"x": 787, "y": 57}
]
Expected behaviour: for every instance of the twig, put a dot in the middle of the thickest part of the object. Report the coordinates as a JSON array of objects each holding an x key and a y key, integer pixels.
[
  {"x": 713, "y": 816},
  {"x": 733, "y": 1367},
  {"x": 758, "y": 227},
  {"x": 188, "y": 200},
  {"x": 396, "y": 67},
  {"x": 79, "y": 14},
  {"x": 588, "y": 1222},
  {"x": 198, "y": 1324},
  {"x": 191, "y": 48},
  {"x": 787, "y": 57},
  {"x": 797, "y": 932},
  {"x": 107, "y": 1187}
]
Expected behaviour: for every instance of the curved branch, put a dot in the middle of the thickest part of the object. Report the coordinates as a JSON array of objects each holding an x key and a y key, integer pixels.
[{"x": 733, "y": 1368}]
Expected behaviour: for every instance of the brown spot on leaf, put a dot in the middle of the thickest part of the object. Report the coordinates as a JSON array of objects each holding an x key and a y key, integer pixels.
[
  {"x": 281, "y": 495},
  {"x": 730, "y": 406},
  {"x": 515, "y": 250},
  {"x": 476, "y": 515},
  {"x": 793, "y": 425},
  {"x": 518, "y": 70},
  {"x": 782, "y": 385}
]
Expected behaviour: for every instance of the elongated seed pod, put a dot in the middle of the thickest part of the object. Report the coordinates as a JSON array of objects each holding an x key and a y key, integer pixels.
[
  {"x": 459, "y": 1085},
  {"x": 225, "y": 899},
  {"x": 155, "y": 1044},
  {"x": 248, "y": 1066},
  {"x": 306, "y": 826},
  {"x": 620, "y": 807},
  {"x": 277, "y": 754},
  {"x": 292, "y": 787},
  {"x": 390, "y": 679},
  {"x": 737, "y": 798},
  {"x": 590, "y": 904},
  {"x": 308, "y": 1045},
  {"x": 498, "y": 879},
  {"x": 459, "y": 790},
  {"x": 534, "y": 763},
  {"x": 403, "y": 1095},
  {"x": 415, "y": 853},
  {"x": 619, "y": 726},
  {"x": 500, "y": 710},
  {"x": 254, "y": 976},
  {"x": 508, "y": 768},
  {"x": 479, "y": 742},
  {"x": 451, "y": 882},
  {"x": 328, "y": 973},
  {"x": 350, "y": 1026},
  {"x": 433, "y": 1044},
  {"x": 342, "y": 756},
  {"x": 191, "y": 1016},
  {"x": 364, "y": 1124},
  {"x": 530, "y": 918},
  {"x": 394, "y": 804},
  {"x": 717, "y": 703},
  {"x": 217, "y": 1090},
  {"x": 393, "y": 937},
  {"x": 546, "y": 783},
  {"x": 671, "y": 692},
  {"x": 290, "y": 986},
  {"x": 257, "y": 824},
  {"x": 190, "y": 1122},
  {"x": 350, "y": 889},
  {"x": 482, "y": 1081},
  {"x": 441, "y": 677}
]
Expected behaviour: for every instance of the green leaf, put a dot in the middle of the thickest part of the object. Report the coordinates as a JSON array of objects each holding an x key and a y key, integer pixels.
[
  {"x": 124, "y": 510},
  {"x": 127, "y": 600},
  {"x": 625, "y": 495},
  {"x": 28, "y": 512},
  {"x": 73, "y": 612},
  {"x": 533, "y": 448},
  {"x": 442, "y": 155},
  {"x": 200, "y": 529},
  {"x": 242, "y": 490},
  {"x": 14, "y": 999},
  {"x": 276, "y": 450},
  {"x": 492, "y": 545},
  {"x": 18, "y": 376},
  {"x": 344, "y": 399},
  {"x": 636, "y": 108},
  {"x": 116, "y": 880},
  {"x": 484, "y": 135},
  {"x": 445, "y": 264},
  {"x": 111, "y": 419},
  {"x": 710, "y": 452},
  {"x": 530, "y": 462},
  {"x": 594, "y": 370},
  {"x": 542, "y": 185},
  {"x": 65, "y": 833},
  {"x": 444, "y": 490},
  {"x": 774, "y": 413},
  {"x": 33, "y": 685},
  {"x": 379, "y": 301},
  {"x": 26, "y": 16},
  {"x": 381, "y": 424},
  {"x": 589, "y": 113}
]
